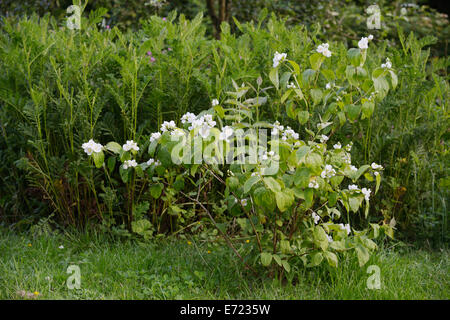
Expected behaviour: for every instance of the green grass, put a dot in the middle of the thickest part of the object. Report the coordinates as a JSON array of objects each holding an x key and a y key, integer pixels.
[{"x": 175, "y": 270}]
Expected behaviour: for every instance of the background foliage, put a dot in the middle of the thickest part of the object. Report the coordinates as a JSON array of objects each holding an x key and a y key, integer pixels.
[{"x": 59, "y": 88}]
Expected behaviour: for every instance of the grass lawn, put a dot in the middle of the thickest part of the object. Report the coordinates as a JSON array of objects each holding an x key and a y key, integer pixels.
[{"x": 177, "y": 270}]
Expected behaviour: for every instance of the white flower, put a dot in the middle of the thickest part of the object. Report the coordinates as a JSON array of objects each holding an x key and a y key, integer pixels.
[
  {"x": 323, "y": 138},
  {"x": 244, "y": 202},
  {"x": 155, "y": 136},
  {"x": 346, "y": 227},
  {"x": 370, "y": 37},
  {"x": 204, "y": 131},
  {"x": 363, "y": 43},
  {"x": 61, "y": 247},
  {"x": 376, "y": 173},
  {"x": 130, "y": 145},
  {"x": 353, "y": 187},
  {"x": 349, "y": 147},
  {"x": 316, "y": 217},
  {"x": 291, "y": 85},
  {"x": 277, "y": 128},
  {"x": 323, "y": 49},
  {"x": 330, "y": 238},
  {"x": 277, "y": 58},
  {"x": 177, "y": 133},
  {"x": 289, "y": 133},
  {"x": 328, "y": 172},
  {"x": 153, "y": 161},
  {"x": 226, "y": 133},
  {"x": 366, "y": 193},
  {"x": 313, "y": 184},
  {"x": 91, "y": 146},
  {"x": 328, "y": 86},
  {"x": 168, "y": 125},
  {"x": 214, "y": 102},
  {"x": 189, "y": 117},
  {"x": 129, "y": 164},
  {"x": 387, "y": 65},
  {"x": 376, "y": 166},
  {"x": 353, "y": 168},
  {"x": 337, "y": 146}
]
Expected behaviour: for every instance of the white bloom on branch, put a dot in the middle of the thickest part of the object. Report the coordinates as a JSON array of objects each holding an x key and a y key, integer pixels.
[
  {"x": 353, "y": 187},
  {"x": 189, "y": 117},
  {"x": 91, "y": 147},
  {"x": 226, "y": 133},
  {"x": 323, "y": 49},
  {"x": 313, "y": 184},
  {"x": 345, "y": 227},
  {"x": 130, "y": 145},
  {"x": 129, "y": 164},
  {"x": 376, "y": 166},
  {"x": 363, "y": 43},
  {"x": 155, "y": 136},
  {"x": 337, "y": 146},
  {"x": 214, "y": 102},
  {"x": 366, "y": 193},
  {"x": 316, "y": 217},
  {"x": 328, "y": 172},
  {"x": 323, "y": 138},
  {"x": 168, "y": 125},
  {"x": 277, "y": 58}
]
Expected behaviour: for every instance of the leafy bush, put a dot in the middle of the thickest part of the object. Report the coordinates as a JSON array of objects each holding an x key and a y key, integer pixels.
[{"x": 61, "y": 88}]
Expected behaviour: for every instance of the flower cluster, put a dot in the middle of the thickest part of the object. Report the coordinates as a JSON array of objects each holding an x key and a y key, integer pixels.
[
  {"x": 386, "y": 65},
  {"x": 129, "y": 164},
  {"x": 130, "y": 145},
  {"x": 363, "y": 44},
  {"x": 91, "y": 147},
  {"x": 323, "y": 49},
  {"x": 277, "y": 58},
  {"x": 328, "y": 172}
]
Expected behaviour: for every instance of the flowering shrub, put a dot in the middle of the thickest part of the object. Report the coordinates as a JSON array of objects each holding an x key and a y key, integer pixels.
[{"x": 292, "y": 202}]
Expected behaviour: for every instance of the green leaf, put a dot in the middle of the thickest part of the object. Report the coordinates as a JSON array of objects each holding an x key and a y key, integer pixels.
[
  {"x": 286, "y": 266},
  {"x": 273, "y": 76},
  {"x": 361, "y": 170},
  {"x": 354, "y": 55},
  {"x": 316, "y": 95},
  {"x": 308, "y": 76},
  {"x": 277, "y": 259},
  {"x": 367, "y": 109},
  {"x": 266, "y": 258},
  {"x": 331, "y": 258},
  {"x": 394, "y": 79},
  {"x": 232, "y": 183},
  {"x": 316, "y": 259},
  {"x": 355, "y": 202},
  {"x": 113, "y": 147},
  {"x": 156, "y": 190},
  {"x": 124, "y": 174},
  {"x": 353, "y": 111},
  {"x": 303, "y": 116},
  {"x": 272, "y": 184},
  {"x": 99, "y": 158},
  {"x": 362, "y": 254},
  {"x": 309, "y": 194},
  {"x": 284, "y": 199},
  {"x": 316, "y": 60},
  {"x": 302, "y": 176},
  {"x": 328, "y": 74},
  {"x": 250, "y": 182},
  {"x": 301, "y": 152},
  {"x": 264, "y": 198},
  {"x": 378, "y": 178},
  {"x": 295, "y": 66}
]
